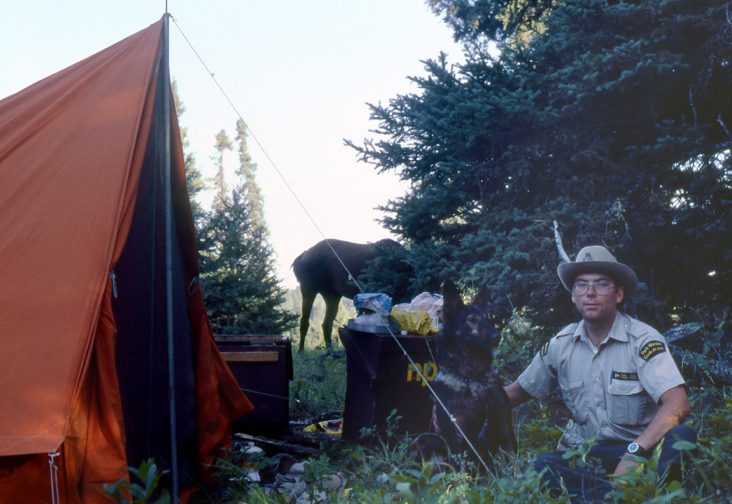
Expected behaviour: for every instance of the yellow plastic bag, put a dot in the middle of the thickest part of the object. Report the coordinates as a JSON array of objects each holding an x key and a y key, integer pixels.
[
  {"x": 415, "y": 322},
  {"x": 330, "y": 427}
]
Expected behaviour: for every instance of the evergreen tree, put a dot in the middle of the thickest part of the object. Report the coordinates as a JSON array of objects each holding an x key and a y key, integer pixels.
[
  {"x": 194, "y": 179},
  {"x": 612, "y": 118},
  {"x": 222, "y": 144},
  {"x": 242, "y": 293},
  {"x": 247, "y": 170}
]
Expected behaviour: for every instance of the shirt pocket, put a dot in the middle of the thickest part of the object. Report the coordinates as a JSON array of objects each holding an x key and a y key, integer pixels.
[
  {"x": 573, "y": 395},
  {"x": 626, "y": 402}
]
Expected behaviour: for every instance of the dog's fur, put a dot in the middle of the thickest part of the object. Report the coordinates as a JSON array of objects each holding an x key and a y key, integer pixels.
[{"x": 467, "y": 383}]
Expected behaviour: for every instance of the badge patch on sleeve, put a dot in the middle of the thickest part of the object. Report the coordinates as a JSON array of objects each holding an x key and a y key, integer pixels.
[
  {"x": 651, "y": 349},
  {"x": 544, "y": 349}
]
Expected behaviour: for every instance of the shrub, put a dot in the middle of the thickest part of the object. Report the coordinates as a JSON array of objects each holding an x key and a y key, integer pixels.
[{"x": 143, "y": 491}]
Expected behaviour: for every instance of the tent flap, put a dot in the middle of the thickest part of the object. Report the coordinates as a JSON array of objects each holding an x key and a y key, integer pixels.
[{"x": 80, "y": 182}]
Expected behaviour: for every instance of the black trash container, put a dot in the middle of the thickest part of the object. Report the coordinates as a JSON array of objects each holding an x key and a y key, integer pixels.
[
  {"x": 380, "y": 379},
  {"x": 262, "y": 365}
]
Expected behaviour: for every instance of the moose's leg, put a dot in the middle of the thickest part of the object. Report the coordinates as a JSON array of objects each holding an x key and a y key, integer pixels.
[
  {"x": 331, "y": 310},
  {"x": 308, "y": 297}
]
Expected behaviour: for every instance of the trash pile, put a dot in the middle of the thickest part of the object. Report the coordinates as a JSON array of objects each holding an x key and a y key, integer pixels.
[
  {"x": 282, "y": 473},
  {"x": 375, "y": 314}
]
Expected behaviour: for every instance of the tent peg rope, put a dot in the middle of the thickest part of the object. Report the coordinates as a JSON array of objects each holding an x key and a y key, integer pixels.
[
  {"x": 294, "y": 194},
  {"x": 53, "y": 474}
]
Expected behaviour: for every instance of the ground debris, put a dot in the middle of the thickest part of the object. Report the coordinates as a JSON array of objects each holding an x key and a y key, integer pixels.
[
  {"x": 280, "y": 466},
  {"x": 268, "y": 444}
]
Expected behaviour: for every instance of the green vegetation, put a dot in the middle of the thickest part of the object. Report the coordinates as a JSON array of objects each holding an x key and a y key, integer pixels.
[
  {"x": 142, "y": 488},
  {"x": 241, "y": 291},
  {"x": 319, "y": 384},
  {"x": 386, "y": 469}
]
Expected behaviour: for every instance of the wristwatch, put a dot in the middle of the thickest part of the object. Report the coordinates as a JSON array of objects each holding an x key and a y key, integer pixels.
[{"x": 636, "y": 449}]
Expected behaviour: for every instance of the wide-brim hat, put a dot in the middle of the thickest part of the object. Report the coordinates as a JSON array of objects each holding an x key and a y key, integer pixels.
[{"x": 597, "y": 259}]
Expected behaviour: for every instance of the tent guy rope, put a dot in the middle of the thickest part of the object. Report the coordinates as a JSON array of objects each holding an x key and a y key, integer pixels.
[
  {"x": 53, "y": 474},
  {"x": 320, "y": 231},
  {"x": 264, "y": 151}
]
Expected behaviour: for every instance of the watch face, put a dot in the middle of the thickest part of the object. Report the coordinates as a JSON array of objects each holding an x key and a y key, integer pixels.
[{"x": 633, "y": 447}]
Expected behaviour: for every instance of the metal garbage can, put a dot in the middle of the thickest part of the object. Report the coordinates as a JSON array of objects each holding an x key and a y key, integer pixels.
[{"x": 381, "y": 378}]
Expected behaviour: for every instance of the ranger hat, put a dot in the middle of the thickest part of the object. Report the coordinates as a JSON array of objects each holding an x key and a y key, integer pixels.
[{"x": 597, "y": 259}]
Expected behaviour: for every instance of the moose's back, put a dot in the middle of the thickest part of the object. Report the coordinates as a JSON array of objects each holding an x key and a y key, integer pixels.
[{"x": 319, "y": 270}]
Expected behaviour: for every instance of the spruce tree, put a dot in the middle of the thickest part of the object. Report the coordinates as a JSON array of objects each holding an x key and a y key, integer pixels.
[
  {"x": 611, "y": 117},
  {"x": 247, "y": 170},
  {"x": 242, "y": 292},
  {"x": 194, "y": 178},
  {"x": 222, "y": 144}
]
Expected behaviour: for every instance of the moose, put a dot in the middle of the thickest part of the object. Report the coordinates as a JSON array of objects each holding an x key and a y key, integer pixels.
[{"x": 324, "y": 269}]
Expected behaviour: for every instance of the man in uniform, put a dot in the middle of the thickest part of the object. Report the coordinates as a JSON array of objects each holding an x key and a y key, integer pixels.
[{"x": 616, "y": 376}]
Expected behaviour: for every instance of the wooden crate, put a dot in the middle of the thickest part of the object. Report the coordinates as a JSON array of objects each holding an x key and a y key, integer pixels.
[{"x": 263, "y": 367}]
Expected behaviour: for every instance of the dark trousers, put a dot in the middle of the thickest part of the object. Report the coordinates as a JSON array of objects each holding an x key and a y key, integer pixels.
[{"x": 588, "y": 484}]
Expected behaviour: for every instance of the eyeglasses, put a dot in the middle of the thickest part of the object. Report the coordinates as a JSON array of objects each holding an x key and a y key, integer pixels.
[{"x": 601, "y": 287}]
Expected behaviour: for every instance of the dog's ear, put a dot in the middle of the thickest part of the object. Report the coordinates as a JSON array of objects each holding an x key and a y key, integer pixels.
[
  {"x": 481, "y": 299},
  {"x": 452, "y": 302}
]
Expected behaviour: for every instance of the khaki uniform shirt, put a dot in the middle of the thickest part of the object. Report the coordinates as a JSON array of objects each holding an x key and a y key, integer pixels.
[{"x": 612, "y": 390}]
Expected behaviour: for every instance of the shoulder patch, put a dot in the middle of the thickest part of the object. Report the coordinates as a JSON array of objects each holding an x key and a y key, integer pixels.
[
  {"x": 651, "y": 349},
  {"x": 544, "y": 349}
]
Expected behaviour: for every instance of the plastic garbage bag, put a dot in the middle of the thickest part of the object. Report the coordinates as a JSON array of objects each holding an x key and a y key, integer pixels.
[
  {"x": 420, "y": 316},
  {"x": 431, "y": 303},
  {"x": 330, "y": 427},
  {"x": 372, "y": 319},
  {"x": 373, "y": 302},
  {"x": 417, "y": 322}
]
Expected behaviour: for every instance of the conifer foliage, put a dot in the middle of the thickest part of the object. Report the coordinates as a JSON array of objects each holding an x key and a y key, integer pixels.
[
  {"x": 242, "y": 293},
  {"x": 248, "y": 170},
  {"x": 241, "y": 290},
  {"x": 612, "y": 117},
  {"x": 194, "y": 178}
]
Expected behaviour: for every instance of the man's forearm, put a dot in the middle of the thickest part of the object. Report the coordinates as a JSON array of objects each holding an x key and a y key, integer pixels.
[{"x": 674, "y": 409}]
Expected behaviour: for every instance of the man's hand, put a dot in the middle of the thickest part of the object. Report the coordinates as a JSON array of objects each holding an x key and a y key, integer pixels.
[{"x": 625, "y": 464}]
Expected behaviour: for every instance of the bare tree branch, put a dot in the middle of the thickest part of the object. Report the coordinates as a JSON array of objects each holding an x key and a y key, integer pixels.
[
  {"x": 563, "y": 257},
  {"x": 693, "y": 107},
  {"x": 724, "y": 126}
]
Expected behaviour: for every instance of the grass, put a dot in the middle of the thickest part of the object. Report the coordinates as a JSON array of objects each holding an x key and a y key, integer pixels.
[
  {"x": 385, "y": 470},
  {"x": 319, "y": 384}
]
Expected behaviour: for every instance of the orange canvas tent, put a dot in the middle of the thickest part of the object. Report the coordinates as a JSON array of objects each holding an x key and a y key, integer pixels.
[{"x": 83, "y": 322}]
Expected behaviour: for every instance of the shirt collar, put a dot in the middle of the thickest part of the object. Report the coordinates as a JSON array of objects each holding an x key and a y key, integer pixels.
[{"x": 618, "y": 331}]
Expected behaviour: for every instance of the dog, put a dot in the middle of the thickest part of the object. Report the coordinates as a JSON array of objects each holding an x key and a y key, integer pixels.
[{"x": 468, "y": 384}]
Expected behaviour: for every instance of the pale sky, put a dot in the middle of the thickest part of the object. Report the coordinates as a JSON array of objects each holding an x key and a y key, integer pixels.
[{"x": 300, "y": 72}]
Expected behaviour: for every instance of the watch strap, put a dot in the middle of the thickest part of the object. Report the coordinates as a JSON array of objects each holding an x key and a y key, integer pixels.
[{"x": 635, "y": 448}]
